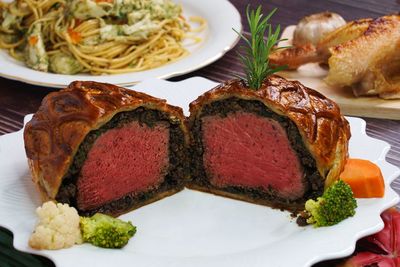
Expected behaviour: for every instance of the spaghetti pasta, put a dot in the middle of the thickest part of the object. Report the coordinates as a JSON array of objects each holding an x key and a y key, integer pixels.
[{"x": 95, "y": 36}]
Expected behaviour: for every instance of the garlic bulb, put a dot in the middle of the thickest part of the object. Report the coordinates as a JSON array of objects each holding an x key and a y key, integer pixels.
[{"x": 312, "y": 28}]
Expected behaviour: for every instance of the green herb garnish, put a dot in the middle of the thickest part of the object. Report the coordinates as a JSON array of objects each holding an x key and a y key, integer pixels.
[{"x": 257, "y": 51}]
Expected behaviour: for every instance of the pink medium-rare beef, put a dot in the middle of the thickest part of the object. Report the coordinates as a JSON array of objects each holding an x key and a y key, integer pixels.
[
  {"x": 279, "y": 145},
  {"x": 247, "y": 150},
  {"x": 142, "y": 144},
  {"x": 131, "y": 159}
]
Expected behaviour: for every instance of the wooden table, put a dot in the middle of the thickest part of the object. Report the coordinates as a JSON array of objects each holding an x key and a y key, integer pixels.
[{"x": 18, "y": 99}]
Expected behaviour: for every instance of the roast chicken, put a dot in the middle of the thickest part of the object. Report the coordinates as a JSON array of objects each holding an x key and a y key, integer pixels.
[{"x": 363, "y": 55}]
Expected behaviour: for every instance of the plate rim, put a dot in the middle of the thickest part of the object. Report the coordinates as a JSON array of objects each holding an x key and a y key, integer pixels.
[
  {"x": 346, "y": 250},
  {"x": 236, "y": 22}
]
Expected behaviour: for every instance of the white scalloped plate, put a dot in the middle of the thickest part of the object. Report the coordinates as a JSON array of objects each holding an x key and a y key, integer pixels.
[
  {"x": 197, "y": 229},
  {"x": 217, "y": 39}
]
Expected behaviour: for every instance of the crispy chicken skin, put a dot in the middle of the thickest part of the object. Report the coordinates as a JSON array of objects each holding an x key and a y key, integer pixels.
[
  {"x": 363, "y": 55},
  {"x": 296, "y": 56},
  {"x": 370, "y": 64}
]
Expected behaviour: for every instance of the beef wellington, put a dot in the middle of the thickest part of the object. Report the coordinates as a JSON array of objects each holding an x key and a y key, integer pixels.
[
  {"x": 277, "y": 146},
  {"x": 102, "y": 148}
]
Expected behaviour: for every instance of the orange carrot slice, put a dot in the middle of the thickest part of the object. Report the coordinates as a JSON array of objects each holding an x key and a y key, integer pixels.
[
  {"x": 364, "y": 177},
  {"x": 75, "y": 36},
  {"x": 33, "y": 40}
]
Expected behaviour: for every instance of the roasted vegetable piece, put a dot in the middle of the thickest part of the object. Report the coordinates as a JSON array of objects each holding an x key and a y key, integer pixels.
[
  {"x": 382, "y": 248},
  {"x": 364, "y": 177},
  {"x": 105, "y": 231},
  {"x": 311, "y": 29},
  {"x": 336, "y": 204}
]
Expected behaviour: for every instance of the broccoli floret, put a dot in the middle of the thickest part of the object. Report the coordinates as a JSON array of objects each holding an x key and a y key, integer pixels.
[
  {"x": 105, "y": 231},
  {"x": 336, "y": 204}
]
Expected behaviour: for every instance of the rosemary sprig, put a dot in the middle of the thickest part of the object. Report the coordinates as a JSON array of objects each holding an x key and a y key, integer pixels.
[{"x": 256, "y": 52}]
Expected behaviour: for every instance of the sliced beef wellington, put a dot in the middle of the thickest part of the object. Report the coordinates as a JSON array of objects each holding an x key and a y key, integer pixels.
[
  {"x": 102, "y": 148},
  {"x": 278, "y": 146}
]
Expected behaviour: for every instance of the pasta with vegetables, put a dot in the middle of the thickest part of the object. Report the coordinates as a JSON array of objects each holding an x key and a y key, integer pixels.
[{"x": 96, "y": 36}]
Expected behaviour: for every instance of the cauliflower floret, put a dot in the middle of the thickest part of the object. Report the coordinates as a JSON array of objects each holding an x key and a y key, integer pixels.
[{"x": 58, "y": 227}]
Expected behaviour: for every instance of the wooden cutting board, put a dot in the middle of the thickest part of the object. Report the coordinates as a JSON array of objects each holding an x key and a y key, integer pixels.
[{"x": 312, "y": 75}]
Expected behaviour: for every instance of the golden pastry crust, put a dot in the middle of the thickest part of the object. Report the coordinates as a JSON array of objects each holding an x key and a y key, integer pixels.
[
  {"x": 65, "y": 117},
  {"x": 324, "y": 130}
]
